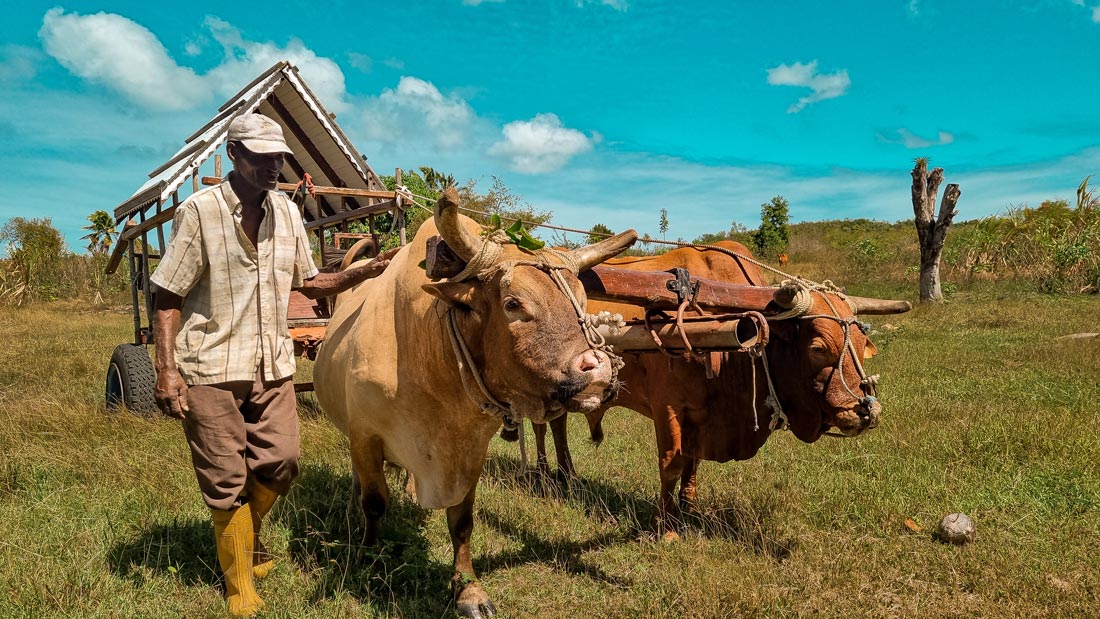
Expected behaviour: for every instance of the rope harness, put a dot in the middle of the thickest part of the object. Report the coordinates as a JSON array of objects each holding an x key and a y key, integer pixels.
[
  {"x": 868, "y": 383},
  {"x": 484, "y": 265}
]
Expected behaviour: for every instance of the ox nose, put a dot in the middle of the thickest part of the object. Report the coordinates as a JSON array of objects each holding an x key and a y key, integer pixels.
[{"x": 589, "y": 360}]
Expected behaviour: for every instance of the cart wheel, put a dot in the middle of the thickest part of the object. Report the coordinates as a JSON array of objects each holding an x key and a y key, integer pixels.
[{"x": 131, "y": 380}]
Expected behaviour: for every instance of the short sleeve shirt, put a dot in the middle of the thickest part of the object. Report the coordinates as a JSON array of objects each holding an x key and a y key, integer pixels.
[{"x": 235, "y": 295}]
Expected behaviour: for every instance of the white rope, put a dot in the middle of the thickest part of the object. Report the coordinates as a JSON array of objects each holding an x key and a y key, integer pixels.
[
  {"x": 779, "y": 420},
  {"x": 465, "y": 360}
]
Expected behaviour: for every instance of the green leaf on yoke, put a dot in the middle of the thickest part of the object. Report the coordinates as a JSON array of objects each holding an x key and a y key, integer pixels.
[{"x": 522, "y": 238}]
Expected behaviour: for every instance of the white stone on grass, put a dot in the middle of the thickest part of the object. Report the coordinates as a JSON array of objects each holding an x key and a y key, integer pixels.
[{"x": 956, "y": 529}]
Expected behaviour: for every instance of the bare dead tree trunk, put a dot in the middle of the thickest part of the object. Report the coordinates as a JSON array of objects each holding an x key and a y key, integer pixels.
[{"x": 931, "y": 233}]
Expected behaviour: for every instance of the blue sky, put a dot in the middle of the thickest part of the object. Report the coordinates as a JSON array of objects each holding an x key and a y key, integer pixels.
[{"x": 602, "y": 111}]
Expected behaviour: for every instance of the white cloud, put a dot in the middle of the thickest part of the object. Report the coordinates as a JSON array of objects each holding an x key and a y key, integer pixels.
[
  {"x": 914, "y": 7},
  {"x": 1093, "y": 10},
  {"x": 417, "y": 110},
  {"x": 18, "y": 63},
  {"x": 542, "y": 144},
  {"x": 477, "y": 2},
  {"x": 362, "y": 62},
  {"x": 911, "y": 140},
  {"x": 394, "y": 63},
  {"x": 112, "y": 50},
  {"x": 618, "y": 5},
  {"x": 126, "y": 57},
  {"x": 823, "y": 86},
  {"x": 244, "y": 60}
]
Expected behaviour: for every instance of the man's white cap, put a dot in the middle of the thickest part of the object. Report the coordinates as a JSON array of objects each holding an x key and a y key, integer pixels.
[{"x": 258, "y": 133}]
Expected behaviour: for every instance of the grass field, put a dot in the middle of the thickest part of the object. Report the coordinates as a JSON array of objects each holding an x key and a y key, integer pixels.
[{"x": 985, "y": 412}]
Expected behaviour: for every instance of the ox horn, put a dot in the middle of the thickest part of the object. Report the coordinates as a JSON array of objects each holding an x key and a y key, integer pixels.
[
  {"x": 591, "y": 255},
  {"x": 463, "y": 242},
  {"x": 864, "y": 305}
]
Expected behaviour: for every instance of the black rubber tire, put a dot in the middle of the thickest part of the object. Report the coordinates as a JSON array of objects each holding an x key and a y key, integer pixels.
[{"x": 131, "y": 380}]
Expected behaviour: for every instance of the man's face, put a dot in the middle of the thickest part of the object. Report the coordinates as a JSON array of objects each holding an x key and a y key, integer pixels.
[{"x": 256, "y": 169}]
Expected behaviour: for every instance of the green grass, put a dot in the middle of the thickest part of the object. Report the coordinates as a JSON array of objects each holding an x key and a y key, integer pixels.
[{"x": 985, "y": 412}]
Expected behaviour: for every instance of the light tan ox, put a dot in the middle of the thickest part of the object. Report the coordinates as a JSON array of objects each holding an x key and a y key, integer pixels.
[{"x": 388, "y": 375}]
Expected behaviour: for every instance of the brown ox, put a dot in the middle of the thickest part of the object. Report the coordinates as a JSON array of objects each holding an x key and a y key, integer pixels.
[
  {"x": 392, "y": 377},
  {"x": 697, "y": 418}
]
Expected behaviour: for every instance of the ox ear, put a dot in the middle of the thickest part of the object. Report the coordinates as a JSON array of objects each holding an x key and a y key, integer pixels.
[
  {"x": 452, "y": 293},
  {"x": 869, "y": 350}
]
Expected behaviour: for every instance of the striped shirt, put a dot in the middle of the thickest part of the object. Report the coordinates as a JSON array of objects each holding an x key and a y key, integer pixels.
[{"x": 235, "y": 295}]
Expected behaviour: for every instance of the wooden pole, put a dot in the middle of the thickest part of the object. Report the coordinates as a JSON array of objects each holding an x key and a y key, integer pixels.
[
  {"x": 734, "y": 334},
  {"x": 399, "y": 212},
  {"x": 321, "y": 190}
]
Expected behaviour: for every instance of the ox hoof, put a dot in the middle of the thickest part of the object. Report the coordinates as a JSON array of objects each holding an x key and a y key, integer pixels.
[
  {"x": 472, "y": 601},
  {"x": 477, "y": 611}
]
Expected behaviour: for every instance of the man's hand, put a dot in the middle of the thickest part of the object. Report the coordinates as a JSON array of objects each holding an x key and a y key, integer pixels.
[
  {"x": 329, "y": 284},
  {"x": 371, "y": 269},
  {"x": 171, "y": 393}
]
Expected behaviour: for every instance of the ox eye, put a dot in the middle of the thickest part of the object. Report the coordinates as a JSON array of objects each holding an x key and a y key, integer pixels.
[{"x": 512, "y": 304}]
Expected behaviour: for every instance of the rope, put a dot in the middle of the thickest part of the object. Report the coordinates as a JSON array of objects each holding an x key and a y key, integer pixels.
[
  {"x": 463, "y": 356},
  {"x": 779, "y": 420}
]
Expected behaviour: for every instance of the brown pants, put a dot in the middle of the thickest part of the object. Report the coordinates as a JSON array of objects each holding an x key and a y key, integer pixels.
[{"x": 242, "y": 429}]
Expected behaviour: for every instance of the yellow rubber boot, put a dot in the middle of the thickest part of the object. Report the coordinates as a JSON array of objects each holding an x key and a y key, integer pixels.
[
  {"x": 233, "y": 535},
  {"x": 260, "y": 500}
]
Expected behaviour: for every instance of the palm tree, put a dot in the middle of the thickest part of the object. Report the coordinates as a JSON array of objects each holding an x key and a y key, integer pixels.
[{"x": 101, "y": 232}]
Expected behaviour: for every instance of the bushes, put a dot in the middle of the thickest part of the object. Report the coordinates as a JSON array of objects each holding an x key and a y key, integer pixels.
[
  {"x": 40, "y": 268},
  {"x": 1054, "y": 248}
]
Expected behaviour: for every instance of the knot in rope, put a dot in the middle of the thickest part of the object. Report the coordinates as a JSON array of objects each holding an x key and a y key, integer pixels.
[
  {"x": 803, "y": 300},
  {"x": 615, "y": 322}
]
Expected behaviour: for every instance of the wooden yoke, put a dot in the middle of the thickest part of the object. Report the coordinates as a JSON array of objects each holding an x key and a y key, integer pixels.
[{"x": 650, "y": 289}]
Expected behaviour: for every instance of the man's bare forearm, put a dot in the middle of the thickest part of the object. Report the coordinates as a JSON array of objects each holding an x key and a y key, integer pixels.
[
  {"x": 328, "y": 284},
  {"x": 166, "y": 324}
]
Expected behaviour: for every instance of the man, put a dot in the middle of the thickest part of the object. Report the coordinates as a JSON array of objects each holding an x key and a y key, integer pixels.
[{"x": 225, "y": 362}]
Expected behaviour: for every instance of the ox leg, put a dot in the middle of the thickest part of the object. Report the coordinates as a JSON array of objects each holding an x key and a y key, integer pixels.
[
  {"x": 541, "y": 461},
  {"x": 687, "y": 486},
  {"x": 374, "y": 493},
  {"x": 670, "y": 462},
  {"x": 470, "y": 599},
  {"x": 560, "y": 428}
]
